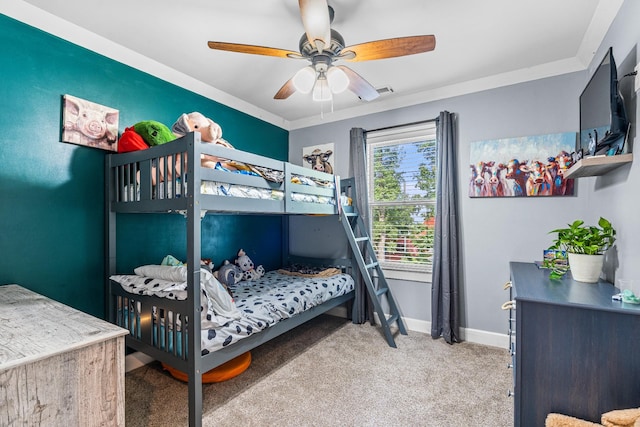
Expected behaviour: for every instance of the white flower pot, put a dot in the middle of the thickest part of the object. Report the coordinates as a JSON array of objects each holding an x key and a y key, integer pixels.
[{"x": 586, "y": 268}]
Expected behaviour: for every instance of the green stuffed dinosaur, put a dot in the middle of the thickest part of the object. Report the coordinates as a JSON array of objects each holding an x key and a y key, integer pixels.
[{"x": 154, "y": 133}]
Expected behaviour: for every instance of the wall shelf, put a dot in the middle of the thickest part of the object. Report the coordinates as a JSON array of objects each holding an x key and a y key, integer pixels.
[{"x": 597, "y": 165}]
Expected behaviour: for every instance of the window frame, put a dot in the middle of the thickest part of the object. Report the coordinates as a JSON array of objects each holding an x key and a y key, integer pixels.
[{"x": 425, "y": 131}]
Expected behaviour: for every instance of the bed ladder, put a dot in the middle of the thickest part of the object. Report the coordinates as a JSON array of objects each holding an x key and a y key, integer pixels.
[{"x": 365, "y": 255}]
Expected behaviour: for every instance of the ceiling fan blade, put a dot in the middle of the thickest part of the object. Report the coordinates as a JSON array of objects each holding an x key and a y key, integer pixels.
[
  {"x": 389, "y": 48},
  {"x": 316, "y": 22},
  {"x": 255, "y": 50},
  {"x": 358, "y": 85},
  {"x": 286, "y": 90}
]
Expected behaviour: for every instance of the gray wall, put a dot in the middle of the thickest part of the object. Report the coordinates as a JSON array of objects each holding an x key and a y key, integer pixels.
[
  {"x": 496, "y": 231},
  {"x": 615, "y": 195}
]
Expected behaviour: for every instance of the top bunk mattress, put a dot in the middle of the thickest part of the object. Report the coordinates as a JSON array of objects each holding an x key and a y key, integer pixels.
[{"x": 152, "y": 180}]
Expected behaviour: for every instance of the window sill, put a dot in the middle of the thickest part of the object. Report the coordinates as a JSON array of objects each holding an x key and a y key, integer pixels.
[{"x": 412, "y": 276}]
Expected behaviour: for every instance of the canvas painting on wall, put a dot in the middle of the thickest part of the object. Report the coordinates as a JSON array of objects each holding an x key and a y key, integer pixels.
[
  {"x": 319, "y": 157},
  {"x": 89, "y": 124},
  {"x": 530, "y": 166}
]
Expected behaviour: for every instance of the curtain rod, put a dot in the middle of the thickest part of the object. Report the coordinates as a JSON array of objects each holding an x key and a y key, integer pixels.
[{"x": 400, "y": 126}]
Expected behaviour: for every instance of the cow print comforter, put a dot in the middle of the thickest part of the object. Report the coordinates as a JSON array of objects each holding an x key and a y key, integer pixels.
[
  {"x": 270, "y": 299},
  {"x": 264, "y": 302}
]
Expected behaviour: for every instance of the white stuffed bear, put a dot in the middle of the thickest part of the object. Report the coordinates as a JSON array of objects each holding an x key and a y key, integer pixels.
[{"x": 249, "y": 272}]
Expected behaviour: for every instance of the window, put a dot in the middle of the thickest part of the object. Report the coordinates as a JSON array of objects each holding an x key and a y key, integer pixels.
[{"x": 401, "y": 165}]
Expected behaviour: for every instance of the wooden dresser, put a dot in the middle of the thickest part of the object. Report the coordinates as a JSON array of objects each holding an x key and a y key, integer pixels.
[
  {"x": 575, "y": 351},
  {"x": 58, "y": 366}
]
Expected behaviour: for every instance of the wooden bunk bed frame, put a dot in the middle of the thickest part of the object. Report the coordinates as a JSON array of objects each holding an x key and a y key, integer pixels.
[{"x": 129, "y": 178}]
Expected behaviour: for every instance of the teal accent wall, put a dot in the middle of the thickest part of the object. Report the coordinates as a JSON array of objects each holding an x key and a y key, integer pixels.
[
  {"x": 52, "y": 210},
  {"x": 222, "y": 237}
]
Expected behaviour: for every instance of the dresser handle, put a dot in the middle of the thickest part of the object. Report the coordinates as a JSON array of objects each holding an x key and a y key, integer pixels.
[
  {"x": 507, "y": 285},
  {"x": 509, "y": 305}
]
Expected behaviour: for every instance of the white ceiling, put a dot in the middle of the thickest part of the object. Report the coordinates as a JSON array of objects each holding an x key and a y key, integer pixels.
[{"x": 479, "y": 45}]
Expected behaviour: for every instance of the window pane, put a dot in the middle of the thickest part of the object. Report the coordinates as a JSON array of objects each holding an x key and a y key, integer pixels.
[
  {"x": 404, "y": 235},
  {"x": 402, "y": 185},
  {"x": 403, "y": 172}
]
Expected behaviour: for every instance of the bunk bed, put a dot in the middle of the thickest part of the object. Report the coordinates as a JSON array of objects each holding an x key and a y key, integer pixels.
[{"x": 165, "y": 179}]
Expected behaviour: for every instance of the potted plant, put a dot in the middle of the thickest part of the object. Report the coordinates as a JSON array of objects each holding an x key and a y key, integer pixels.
[{"x": 585, "y": 247}]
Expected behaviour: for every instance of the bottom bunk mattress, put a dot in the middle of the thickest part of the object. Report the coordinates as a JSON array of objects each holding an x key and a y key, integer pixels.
[{"x": 260, "y": 303}]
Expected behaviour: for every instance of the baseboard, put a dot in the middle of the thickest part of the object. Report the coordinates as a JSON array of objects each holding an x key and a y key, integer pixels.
[
  {"x": 484, "y": 337},
  {"x": 466, "y": 334},
  {"x": 136, "y": 360}
]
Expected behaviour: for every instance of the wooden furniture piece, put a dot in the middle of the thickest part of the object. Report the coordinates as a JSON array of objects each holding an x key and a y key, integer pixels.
[
  {"x": 58, "y": 366},
  {"x": 576, "y": 350},
  {"x": 597, "y": 165}
]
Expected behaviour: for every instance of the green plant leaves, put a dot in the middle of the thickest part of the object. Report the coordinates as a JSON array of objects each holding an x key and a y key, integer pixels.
[{"x": 581, "y": 239}]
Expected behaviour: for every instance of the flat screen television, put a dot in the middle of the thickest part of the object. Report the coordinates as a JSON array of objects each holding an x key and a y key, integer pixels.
[{"x": 603, "y": 119}]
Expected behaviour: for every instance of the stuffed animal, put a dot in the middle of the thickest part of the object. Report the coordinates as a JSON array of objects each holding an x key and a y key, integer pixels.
[
  {"x": 130, "y": 140},
  {"x": 209, "y": 131},
  {"x": 249, "y": 271},
  {"x": 228, "y": 274},
  {"x": 143, "y": 135},
  {"x": 154, "y": 133},
  {"x": 170, "y": 260},
  {"x": 207, "y": 264}
]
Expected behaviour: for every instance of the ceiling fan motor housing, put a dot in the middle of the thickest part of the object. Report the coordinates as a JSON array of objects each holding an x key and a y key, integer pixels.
[{"x": 308, "y": 50}]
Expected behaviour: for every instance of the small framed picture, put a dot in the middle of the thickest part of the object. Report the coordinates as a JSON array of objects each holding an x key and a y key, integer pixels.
[
  {"x": 319, "y": 157},
  {"x": 89, "y": 124},
  {"x": 577, "y": 155}
]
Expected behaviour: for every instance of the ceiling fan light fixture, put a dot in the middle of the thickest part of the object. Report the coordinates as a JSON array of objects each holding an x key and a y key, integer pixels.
[
  {"x": 321, "y": 90},
  {"x": 304, "y": 79},
  {"x": 337, "y": 79}
]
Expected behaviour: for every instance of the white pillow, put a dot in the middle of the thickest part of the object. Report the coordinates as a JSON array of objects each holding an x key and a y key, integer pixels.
[
  {"x": 164, "y": 272},
  {"x": 219, "y": 300}
]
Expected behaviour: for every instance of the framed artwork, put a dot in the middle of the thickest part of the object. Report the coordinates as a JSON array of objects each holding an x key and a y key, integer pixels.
[
  {"x": 318, "y": 157},
  {"x": 529, "y": 166},
  {"x": 89, "y": 124}
]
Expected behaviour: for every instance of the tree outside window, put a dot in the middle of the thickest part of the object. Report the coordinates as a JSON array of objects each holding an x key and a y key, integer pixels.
[{"x": 402, "y": 184}]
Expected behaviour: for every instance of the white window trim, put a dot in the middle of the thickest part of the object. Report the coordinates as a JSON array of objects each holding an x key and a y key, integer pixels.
[
  {"x": 392, "y": 136},
  {"x": 410, "y": 276}
]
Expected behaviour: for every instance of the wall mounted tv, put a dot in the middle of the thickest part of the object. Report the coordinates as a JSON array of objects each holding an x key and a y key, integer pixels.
[{"x": 603, "y": 119}]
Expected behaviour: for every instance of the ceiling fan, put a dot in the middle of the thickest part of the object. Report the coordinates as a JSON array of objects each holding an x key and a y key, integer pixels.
[{"x": 322, "y": 46}]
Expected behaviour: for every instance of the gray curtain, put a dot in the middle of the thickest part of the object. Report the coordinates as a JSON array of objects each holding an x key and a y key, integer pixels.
[
  {"x": 445, "y": 312},
  {"x": 363, "y": 308}
]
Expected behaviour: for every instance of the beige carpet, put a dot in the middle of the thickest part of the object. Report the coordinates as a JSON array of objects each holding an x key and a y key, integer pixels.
[{"x": 330, "y": 372}]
